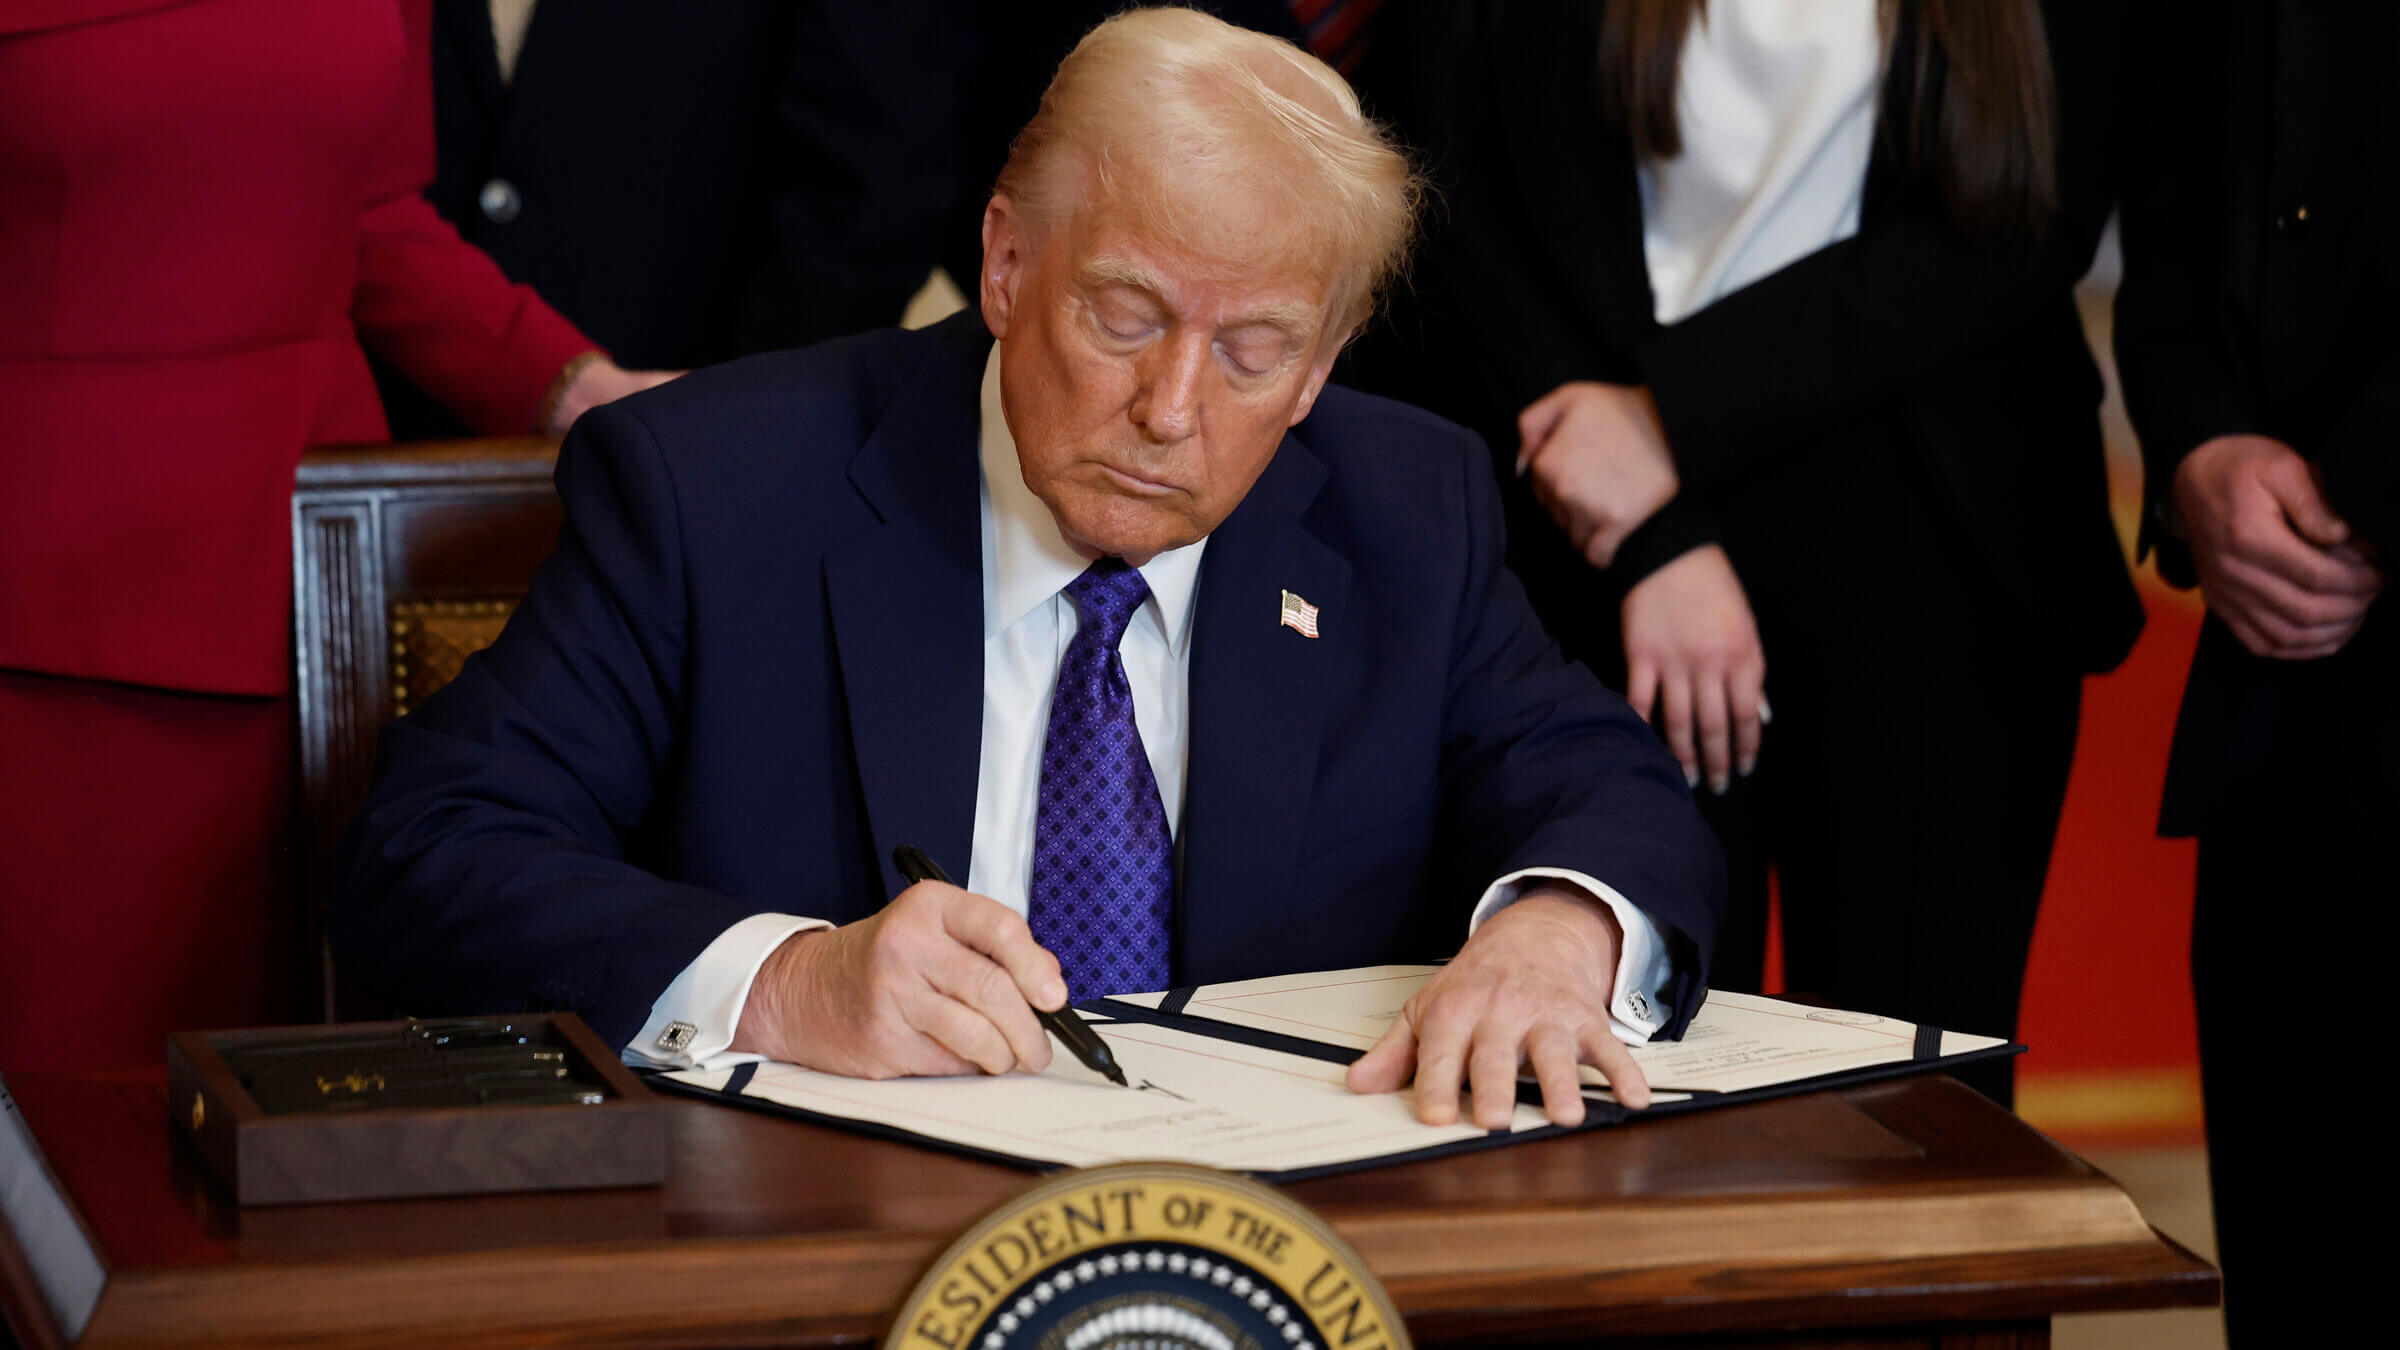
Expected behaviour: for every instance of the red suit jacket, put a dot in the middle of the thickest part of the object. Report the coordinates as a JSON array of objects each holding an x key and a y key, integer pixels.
[{"x": 206, "y": 208}]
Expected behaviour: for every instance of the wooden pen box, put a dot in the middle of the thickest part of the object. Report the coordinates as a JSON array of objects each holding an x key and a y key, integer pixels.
[{"x": 280, "y": 1157}]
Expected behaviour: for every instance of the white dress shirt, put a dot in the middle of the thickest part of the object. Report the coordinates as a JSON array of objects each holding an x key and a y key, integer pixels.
[
  {"x": 1027, "y": 623},
  {"x": 1776, "y": 103}
]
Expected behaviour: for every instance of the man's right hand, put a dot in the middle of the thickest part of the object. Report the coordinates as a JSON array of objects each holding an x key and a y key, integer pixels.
[
  {"x": 2276, "y": 564},
  {"x": 941, "y": 981}
]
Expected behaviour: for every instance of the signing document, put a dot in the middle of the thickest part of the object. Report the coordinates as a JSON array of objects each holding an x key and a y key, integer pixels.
[
  {"x": 1194, "y": 1098},
  {"x": 1249, "y": 1077},
  {"x": 1736, "y": 1043}
]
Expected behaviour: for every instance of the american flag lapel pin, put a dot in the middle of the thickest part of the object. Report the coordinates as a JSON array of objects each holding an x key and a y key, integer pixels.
[{"x": 1299, "y": 614}]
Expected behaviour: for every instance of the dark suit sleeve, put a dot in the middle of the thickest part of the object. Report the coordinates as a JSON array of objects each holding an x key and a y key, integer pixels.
[
  {"x": 1683, "y": 524},
  {"x": 1543, "y": 767},
  {"x": 488, "y": 871},
  {"x": 2360, "y": 461},
  {"x": 2179, "y": 354},
  {"x": 870, "y": 129}
]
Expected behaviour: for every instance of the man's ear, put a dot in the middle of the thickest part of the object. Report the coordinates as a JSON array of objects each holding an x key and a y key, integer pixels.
[{"x": 1007, "y": 250}]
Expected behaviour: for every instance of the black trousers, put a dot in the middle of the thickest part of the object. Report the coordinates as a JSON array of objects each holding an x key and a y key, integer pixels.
[
  {"x": 2293, "y": 937},
  {"x": 1909, "y": 787},
  {"x": 1908, "y": 790}
]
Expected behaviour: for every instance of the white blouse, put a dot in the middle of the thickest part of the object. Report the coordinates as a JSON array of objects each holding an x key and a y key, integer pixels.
[{"x": 1777, "y": 105}]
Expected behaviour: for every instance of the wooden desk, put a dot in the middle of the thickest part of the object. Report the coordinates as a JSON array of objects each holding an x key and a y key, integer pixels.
[{"x": 1910, "y": 1213}]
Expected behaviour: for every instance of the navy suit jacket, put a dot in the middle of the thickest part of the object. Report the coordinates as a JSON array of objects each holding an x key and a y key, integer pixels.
[{"x": 755, "y": 664}]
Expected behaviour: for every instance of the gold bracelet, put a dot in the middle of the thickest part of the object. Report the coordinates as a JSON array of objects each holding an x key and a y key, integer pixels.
[{"x": 547, "y": 410}]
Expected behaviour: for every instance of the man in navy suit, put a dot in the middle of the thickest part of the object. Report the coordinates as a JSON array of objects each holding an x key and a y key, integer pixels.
[{"x": 814, "y": 605}]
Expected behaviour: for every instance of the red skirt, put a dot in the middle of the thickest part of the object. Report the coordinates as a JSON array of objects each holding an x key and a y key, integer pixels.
[{"x": 147, "y": 869}]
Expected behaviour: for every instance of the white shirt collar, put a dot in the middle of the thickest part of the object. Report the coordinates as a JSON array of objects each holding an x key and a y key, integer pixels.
[{"x": 1027, "y": 561}]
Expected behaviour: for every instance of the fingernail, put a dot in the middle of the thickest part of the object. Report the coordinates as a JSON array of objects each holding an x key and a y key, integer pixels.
[
  {"x": 1765, "y": 713},
  {"x": 1719, "y": 786},
  {"x": 1748, "y": 766},
  {"x": 1691, "y": 779}
]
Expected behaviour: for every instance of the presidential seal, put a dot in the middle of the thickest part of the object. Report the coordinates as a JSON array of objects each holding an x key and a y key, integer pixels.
[{"x": 1148, "y": 1256}]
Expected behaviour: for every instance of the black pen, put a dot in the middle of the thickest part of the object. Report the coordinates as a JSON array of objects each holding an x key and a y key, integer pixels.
[{"x": 1070, "y": 1029}]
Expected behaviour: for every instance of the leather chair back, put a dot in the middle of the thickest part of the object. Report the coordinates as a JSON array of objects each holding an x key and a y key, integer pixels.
[{"x": 405, "y": 559}]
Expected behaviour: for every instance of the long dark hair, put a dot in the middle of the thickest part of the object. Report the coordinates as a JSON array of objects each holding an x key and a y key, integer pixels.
[{"x": 1982, "y": 119}]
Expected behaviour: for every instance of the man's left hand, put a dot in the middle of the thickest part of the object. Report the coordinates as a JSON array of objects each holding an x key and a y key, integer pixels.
[
  {"x": 1532, "y": 985},
  {"x": 1693, "y": 660}
]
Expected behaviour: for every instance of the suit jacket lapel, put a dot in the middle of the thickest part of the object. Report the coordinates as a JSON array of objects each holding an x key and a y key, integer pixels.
[
  {"x": 906, "y": 600},
  {"x": 1258, "y": 695}
]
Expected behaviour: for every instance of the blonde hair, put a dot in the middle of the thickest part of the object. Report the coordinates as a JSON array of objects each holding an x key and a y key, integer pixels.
[{"x": 1164, "y": 112}]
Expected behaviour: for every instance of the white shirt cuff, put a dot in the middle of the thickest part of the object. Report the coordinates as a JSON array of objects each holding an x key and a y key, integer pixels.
[
  {"x": 693, "y": 1022},
  {"x": 1638, "y": 1009}
]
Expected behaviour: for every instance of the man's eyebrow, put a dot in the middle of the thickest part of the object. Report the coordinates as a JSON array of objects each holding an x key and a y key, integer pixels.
[
  {"x": 1296, "y": 319},
  {"x": 1109, "y": 270}
]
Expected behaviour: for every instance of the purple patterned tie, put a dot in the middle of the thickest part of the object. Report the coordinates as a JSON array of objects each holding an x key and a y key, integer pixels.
[{"x": 1103, "y": 863}]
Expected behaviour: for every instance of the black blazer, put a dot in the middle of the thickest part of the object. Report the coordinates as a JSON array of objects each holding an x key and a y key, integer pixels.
[
  {"x": 2261, "y": 277},
  {"x": 690, "y": 183},
  {"x": 1970, "y": 360}
]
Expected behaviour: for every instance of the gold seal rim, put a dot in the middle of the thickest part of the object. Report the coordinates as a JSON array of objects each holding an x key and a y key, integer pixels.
[{"x": 1001, "y": 1218}]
